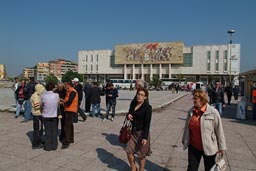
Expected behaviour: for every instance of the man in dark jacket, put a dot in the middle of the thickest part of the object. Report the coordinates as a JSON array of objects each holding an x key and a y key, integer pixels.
[
  {"x": 87, "y": 87},
  {"x": 217, "y": 95},
  {"x": 29, "y": 90},
  {"x": 94, "y": 95},
  {"x": 79, "y": 89}
]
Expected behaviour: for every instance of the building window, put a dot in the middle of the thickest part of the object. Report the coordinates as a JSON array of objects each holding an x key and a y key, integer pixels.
[
  {"x": 91, "y": 67},
  {"x": 217, "y": 64},
  {"x": 187, "y": 60},
  {"x": 85, "y": 67},
  {"x": 91, "y": 58},
  {"x": 97, "y": 67},
  {"x": 208, "y": 61},
  {"x": 86, "y": 58},
  {"x": 225, "y": 62},
  {"x": 97, "y": 58},
  {"x": 217, "y": 53}
]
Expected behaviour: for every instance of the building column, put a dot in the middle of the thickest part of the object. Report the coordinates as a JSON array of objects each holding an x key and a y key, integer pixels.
[
  {"x": 133, "y": 71},
  {"x": 160, "y": 71},
  {"x": 151, "y": 72},
  {"x": 170, "y": 70},
  {"x": 125, "y": 74},
  {"x": 142, "y": 72}
]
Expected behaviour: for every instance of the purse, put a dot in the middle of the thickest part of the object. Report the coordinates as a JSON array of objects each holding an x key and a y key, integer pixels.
[
  {"x": 220, "y": 164},
  {"x": 125, "y": 132}
]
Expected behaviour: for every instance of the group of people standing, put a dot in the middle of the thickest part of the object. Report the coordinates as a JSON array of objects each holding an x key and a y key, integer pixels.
[{"x": 48, "y": 105}]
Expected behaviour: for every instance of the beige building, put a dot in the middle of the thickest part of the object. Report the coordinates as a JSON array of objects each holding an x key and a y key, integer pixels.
[
  {"x": 28, "y": 72},
  {"x": 205, "y": 63},
  {"x": 59, "y": 67},
  {"x": 2, "y": 72},
  {"x": 42, "y": 70}
]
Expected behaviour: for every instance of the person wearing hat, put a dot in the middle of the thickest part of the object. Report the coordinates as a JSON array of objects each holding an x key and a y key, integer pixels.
[
  {"x": 37, "y": 116},
  {"x": 79, "y": 88}
]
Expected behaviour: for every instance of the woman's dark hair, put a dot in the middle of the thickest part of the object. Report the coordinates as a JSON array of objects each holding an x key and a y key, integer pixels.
[
  {"x": 50, "y": 86},
  {"x": 143, "y": 89}
]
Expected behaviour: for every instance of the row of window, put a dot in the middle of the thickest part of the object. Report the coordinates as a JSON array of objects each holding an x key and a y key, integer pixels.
[
  {"x": 225, "y": 61},
  {"x": 87, "y": 56}
]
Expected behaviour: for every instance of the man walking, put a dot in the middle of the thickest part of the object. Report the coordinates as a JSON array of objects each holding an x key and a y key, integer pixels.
[
  {"x": 217, "y": 95},
  {"x": 111, "y": 96}
]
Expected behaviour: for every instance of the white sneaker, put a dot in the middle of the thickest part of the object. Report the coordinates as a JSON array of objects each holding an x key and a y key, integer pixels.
[
  {"x": 112, "y": 119},
  {"x": 104, "y": 120}
]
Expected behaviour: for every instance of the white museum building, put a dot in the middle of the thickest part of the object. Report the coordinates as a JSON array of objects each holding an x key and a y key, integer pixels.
[{"x": 204, "y": 63}]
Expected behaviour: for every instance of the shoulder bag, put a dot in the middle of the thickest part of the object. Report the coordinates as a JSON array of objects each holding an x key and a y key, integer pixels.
[{"x": 125, "y": 132}]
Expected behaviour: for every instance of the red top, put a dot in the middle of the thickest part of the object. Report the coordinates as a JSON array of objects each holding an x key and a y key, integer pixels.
[{"x": 195, "y": 128}]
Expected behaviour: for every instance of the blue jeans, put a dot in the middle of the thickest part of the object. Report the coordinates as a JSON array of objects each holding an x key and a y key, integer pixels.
[
  {"x": 111, "y": 103},
  {"x": 218, "y": 106},
  {"x": 19, "y": 107},
  {"x": 96, "y": 109},
  {"x": 28, "y": 114}
]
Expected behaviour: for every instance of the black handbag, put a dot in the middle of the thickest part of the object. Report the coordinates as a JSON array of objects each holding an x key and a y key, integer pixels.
[{"x": 125, "y": 132}]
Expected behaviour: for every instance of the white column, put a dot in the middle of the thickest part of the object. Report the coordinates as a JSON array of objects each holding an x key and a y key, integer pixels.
[
  {"x": 160, "y": 71},
  {"x": 125, "y": 74},
  {"x": 142, "y": 72},
  {"x": 151, "y": 72},
  {"x": 133, "y": 71},
  {"x": 170, "y": 70}
]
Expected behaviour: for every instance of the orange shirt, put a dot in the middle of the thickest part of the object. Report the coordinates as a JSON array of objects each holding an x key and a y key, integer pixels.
[{"x": 195, "y": 128}]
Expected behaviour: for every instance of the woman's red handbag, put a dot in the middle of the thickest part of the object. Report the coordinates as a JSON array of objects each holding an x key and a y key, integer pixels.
[{"x": 125, "y": 132}]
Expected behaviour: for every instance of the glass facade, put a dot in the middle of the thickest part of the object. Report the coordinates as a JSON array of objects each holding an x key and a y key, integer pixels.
[{"x": 187, "y": 60}]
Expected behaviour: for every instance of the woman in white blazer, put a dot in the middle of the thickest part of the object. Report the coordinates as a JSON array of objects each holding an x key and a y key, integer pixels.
[{"x": 203, "y": 133}]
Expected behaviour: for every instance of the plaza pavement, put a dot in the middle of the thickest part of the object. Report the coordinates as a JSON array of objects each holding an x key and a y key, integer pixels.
[{"x": 96, "y": 146}]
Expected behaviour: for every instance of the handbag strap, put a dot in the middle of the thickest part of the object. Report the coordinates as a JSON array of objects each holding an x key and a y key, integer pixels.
[{"x": 126, "y": 122}]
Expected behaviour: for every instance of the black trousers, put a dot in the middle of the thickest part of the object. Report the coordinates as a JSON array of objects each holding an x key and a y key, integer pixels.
[
  {"x": 87, "y": 105},
  {"x": 38, "y": 130},
  {"x": 51, "y": 132},
  {"x": 229, "y": 98},
  {"x": 194, "y": 157},
  {"x": 69, "y": 128}
]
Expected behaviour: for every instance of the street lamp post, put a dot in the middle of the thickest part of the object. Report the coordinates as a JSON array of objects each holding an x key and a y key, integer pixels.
[{"x": 230, "y": 32}]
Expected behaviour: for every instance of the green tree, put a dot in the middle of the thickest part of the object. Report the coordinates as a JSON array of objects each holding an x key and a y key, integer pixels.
[
  {"x": 156, "y": 82},
  {"x": 51, "y": 78},
  {"x": 70, "y": 75}
]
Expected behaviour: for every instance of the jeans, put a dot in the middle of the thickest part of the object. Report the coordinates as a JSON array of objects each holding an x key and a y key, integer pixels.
[
  {"x": 218, "y": 106},
  {"x": 51, "y": 132},
  {"x": 111, "y": 103},
  {"x": 194, "y": 157},
  {"x": 96, "y": 109},
  {"x": 38, "y": 130},
  {"x": 19, "y": 107},
  {"x": 28, "y": 108}
]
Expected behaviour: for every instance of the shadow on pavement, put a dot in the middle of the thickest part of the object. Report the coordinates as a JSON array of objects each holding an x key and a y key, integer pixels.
[
  {"x": 112, "y": 161},
  {"x": 113, "y": 139},
  {"x": 230, "y": 112},
  {"x": 30, "y": 136},
  {"x": 105, "y": 156}
]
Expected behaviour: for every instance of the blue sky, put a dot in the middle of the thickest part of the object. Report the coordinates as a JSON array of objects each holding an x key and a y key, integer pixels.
[{"x": 34, "y": 31}]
